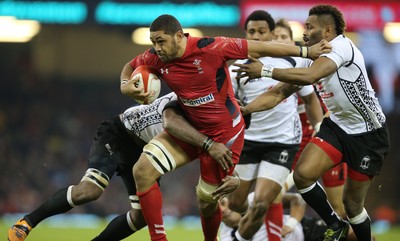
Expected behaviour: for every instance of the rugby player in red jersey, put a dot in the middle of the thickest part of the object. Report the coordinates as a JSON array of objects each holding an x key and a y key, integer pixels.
[{"x": 196, "y": 70}]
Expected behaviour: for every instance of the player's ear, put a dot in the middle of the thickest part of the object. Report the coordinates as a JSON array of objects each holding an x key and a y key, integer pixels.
[{"x": 179, "y": 35}]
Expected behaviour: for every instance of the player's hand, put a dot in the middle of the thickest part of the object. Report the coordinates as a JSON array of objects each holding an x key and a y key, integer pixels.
[
  {"x": 132, "y": 89},
  {"x": 222, "y": 154},
  {"x": 251, "y": 70},
  {"x": 323, "y": 47},
  {"x": 227, "y": 185},
  {"x": 286, "y": 230}
]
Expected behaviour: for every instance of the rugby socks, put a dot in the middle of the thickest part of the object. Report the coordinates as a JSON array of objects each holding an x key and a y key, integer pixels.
[
  {"x": 211, "y": 225},
  {"x": 117, "y": 229},
  {"x": 316, "y": 197},
  {"x": 56, "y": 204},
  {"x": 151, "y": 203},
  {"x": 361, "y": 225},
  {"x": 274, "y": 221}
]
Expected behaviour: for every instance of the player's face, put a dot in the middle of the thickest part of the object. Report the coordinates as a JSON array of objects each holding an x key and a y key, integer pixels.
[
  {"x": 313, "y": 31},
  {"x": 282, "y": 35},
  {"x": 258, "y": 30},
  {"x": 165, "y": 45}
]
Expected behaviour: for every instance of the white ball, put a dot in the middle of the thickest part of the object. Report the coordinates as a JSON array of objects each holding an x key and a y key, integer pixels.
[{"x": 149, "y": 80}]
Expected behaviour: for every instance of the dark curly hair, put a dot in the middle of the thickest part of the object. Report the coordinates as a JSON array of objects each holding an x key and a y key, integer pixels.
[
  {"x": 260, "y": 15},
  {"x": 328, "y": 13},
  {"x": 167, "y": 23}
]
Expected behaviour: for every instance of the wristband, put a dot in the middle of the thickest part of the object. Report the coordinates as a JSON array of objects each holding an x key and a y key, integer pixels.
[
  {"x": 317, "y": 127},
  {"x": 266, "y": 71},
  {"x": 207, "y": 143},
  {"x": 303, "y": 52},
  {"x": 291, "y": 222}
]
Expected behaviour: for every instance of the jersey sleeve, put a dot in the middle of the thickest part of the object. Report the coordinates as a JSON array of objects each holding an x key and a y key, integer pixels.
[
  {"x": 230, "y": 48},
  {"x": 341, "y": 52}
]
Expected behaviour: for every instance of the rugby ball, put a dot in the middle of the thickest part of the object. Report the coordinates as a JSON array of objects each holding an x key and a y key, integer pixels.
[{"x": 149, "y": 80}]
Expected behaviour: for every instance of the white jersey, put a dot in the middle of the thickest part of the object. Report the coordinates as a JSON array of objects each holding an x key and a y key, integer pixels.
[
  {"x": 145, "y": 121},
  {"x": 348, "y": 93},
  {"x": 280, "y": 124}
]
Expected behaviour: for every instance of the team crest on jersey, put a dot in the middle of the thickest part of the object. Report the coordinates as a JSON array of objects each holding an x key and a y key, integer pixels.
[
  {"x": 365, "y": 162},
  {"x": 197, "y": 63},
  {"x": 284, "y": 156}
]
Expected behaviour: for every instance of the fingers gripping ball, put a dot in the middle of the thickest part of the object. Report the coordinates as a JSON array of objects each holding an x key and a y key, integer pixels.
[{"x": 149, "y": 81}]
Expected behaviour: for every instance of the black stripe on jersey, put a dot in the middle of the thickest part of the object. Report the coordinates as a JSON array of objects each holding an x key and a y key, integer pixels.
[
  {"x": 220, "y": 78},
  {"x": 204, "y": 42},
  {"x": 231, "y": 107},
  {"x": 290, "y": 60}
]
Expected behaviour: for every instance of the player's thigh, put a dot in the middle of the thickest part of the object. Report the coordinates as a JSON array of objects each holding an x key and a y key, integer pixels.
[
  {"x": 313, "y": 163},
  {"x": 179, "y": 151}
]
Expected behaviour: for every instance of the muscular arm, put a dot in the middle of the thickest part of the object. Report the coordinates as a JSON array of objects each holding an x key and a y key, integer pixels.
[
  {"x": 270, "y": 98},
  {"x": 320, "y": 68},
  {"x": 258, "y": 49},
  {"x": 313, "y": 108},
  {"x": 176, "y": 124}
]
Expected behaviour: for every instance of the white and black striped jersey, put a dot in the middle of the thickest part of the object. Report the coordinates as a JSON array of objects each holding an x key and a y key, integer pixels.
[
  {"x": 348, "y": 93},
  {"x": 280, "y": 124},
  {"x": 145, "y": 121}
]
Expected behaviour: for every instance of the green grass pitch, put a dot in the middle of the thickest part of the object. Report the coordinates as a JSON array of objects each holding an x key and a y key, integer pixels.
[{"x": 177, "y": 233}]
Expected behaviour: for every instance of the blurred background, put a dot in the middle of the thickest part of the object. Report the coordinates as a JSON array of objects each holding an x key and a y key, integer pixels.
[{"x": 59, "y": 78}]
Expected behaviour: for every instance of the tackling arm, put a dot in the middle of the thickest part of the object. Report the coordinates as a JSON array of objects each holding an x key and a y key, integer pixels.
[
  {"x": 176, "y": 124},
  {"x": 269, "y": 99}
]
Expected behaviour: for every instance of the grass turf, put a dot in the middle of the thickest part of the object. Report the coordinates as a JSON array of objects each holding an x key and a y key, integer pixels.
[{"x": 178, "y": 233}]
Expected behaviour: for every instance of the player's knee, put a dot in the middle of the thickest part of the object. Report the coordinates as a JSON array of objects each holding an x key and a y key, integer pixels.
[
  {"x": 85, "y": 192},
  {"x": 204, "y": 191},
  {"x": 300, "y": 180}
]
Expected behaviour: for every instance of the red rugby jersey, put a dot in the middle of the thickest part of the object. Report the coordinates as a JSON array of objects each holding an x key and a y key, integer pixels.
[{"x": 200, "y": 79}]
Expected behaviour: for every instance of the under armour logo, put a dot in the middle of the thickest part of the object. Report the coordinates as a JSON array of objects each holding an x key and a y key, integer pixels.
[
  {"x": 365, "y": 162},
  {"x": 164, "y": 71}
]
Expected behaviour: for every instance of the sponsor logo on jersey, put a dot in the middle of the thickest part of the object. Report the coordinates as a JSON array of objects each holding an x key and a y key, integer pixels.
[
  {"x": 325, "y": 95},
  {"x": 164, "y": 71},
  {"x": 199, "y": 101}
]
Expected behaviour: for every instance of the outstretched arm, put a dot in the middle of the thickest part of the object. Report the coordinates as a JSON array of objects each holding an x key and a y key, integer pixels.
[
  {"x": 260, "y": 49},
  {"x": 176, "y": 124},
  {"x": 270, "y": 98}
]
